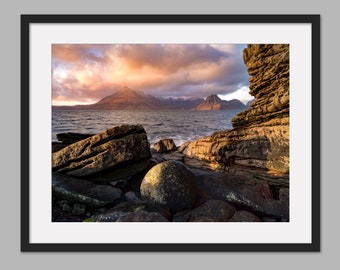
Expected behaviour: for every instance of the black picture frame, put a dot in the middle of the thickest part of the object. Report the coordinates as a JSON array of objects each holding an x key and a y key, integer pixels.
[{"x": 27, "y": 20}]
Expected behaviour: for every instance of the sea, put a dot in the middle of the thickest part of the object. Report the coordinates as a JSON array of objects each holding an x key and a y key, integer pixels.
[{"x": 179, "y": 125}]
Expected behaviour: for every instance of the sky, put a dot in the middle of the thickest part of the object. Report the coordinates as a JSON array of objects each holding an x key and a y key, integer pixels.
[{"x": 85, "y": 73}]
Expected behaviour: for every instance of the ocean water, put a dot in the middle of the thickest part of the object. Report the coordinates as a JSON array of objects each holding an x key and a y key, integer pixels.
[{"x": 179, "y": 125}]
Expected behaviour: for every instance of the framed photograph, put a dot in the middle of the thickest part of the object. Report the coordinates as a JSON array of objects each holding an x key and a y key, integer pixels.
[{"x": 170, "y": 133}]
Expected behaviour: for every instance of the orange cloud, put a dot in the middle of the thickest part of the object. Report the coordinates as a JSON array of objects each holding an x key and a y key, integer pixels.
[{"x": 87, "y": 73}]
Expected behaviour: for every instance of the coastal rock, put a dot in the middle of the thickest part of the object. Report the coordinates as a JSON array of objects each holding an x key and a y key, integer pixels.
[
  {"x": 165, "y": 145},
  {"x": 142, "y": 216},
  {"x": 170, "y": 183},
  {"x": 129, "y": 207},
  {"x": 116, "y": 153},
  {"x": 67, "y": 138},
  {"x": 244, "y": 216},
  {"x": 72, "y": 137},
  {"x": 82, "y": 191},
  {"x": 243, "y": 192},
  {"x": 258, "y": 144},
  {"x": 213, "y": 210}
]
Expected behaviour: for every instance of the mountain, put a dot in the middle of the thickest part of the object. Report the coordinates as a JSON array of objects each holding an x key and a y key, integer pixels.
[
  {"x": 181, "y": 103},
  {"x": 250, "y": 102},
  {"x": 127, "y": 99},
  {"x": 123, "y": 99},
  {"x": 214, "y": 103}
]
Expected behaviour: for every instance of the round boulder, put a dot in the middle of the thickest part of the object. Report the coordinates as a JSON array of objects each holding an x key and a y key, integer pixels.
[{"x": 171, "y": 184}]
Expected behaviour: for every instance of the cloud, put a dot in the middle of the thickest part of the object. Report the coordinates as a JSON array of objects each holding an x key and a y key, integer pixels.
[{"x": 87, "y": 73}]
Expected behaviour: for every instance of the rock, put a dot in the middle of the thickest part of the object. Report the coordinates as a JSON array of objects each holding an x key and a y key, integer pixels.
[
  {"x": 60, "y": 216},
  {"x": 65, "y": 139},
  {"x": 241, "y": 191},
  {"x": 170, "y": 184},
  {"x": 142, "y": 217},
  {"x": 83, "y": 191},
  {"x": 65, "y": 206},
  {"x": 174, "y": 156},
  {"x": 165, "y": 145},
  {"x": 181, "y": 148},
  {"x": 116, "y": 153},
  {"x": 213, "y": 210},
  {"x": 132, "y": 197},
  {"x": 79, "y": 209},
  {"x": 72, "y": 137},
  {"x": 244, "y": 216},
  {"x": 128, "y": 207},
  {"x": 259, "y": 141}
]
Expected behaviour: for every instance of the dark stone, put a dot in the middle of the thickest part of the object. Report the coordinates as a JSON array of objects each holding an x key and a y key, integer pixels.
[
  {"x": 82, "y": 191},
  {"x": 243, "y": 192},
  {"x": 244, "y": 216},
  {"x": 213, "y": 210},
  {"x": 142, "y": 217},
  {"x": 79, "y": 209},
  {"x": 165, "y": 145},
  {"x": 171, "y": 184},
  {"x": 72, "y": 137}
]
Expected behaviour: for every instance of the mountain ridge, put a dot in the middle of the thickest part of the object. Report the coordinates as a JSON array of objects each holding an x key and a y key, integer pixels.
[
  {"x": 128, "y": 99},
  {"x": 214, "y": 103}
]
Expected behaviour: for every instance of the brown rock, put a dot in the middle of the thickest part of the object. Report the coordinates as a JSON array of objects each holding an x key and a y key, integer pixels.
[
  {"x": 259, "y": 142},
  {"x": 244, "y": 216},
  {"x": 119, "y": 152},
  {"x": 165, "y": 145}
]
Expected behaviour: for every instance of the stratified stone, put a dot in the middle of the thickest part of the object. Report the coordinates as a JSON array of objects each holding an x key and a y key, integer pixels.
[
  {"x": 82, "y": 191},
  {"x": 170, "y": 184},
  {"x": 72, "y": 137},
  {"x": 116, "y": 153},
  {"x": 165, "y": 145},
  {"x": 259, "y": 141}
]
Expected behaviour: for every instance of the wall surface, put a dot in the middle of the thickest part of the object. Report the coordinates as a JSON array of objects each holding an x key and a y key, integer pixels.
[{"x": 10, "y": 136}]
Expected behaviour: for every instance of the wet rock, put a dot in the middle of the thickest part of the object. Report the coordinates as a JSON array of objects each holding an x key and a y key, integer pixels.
[
  {"x": 170, "y": 184},
  {"x": 116, "y": 153},
  {"x": 165, "y": 145},
  {"x": 82, "y": 191}
]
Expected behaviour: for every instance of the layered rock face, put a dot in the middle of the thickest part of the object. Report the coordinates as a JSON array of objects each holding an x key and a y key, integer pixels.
[
  {"x": 116, "y": 153},
  {"x": 259, "y": 141}
]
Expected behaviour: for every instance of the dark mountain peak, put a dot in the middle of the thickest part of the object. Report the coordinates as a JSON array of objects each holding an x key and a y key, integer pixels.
[
  {"x": 213, "y": 103},
  {"x": 213, "y": 99}
]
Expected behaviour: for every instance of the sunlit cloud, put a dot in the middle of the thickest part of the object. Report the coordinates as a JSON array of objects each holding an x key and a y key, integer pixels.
[{"x": 86, "y": 73}]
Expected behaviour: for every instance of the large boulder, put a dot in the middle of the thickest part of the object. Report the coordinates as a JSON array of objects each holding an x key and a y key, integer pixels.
[
  {"x": 244, "y": 192},
  {"x": 118, "y": 152},
  {"x": 171, "y": 184}
]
